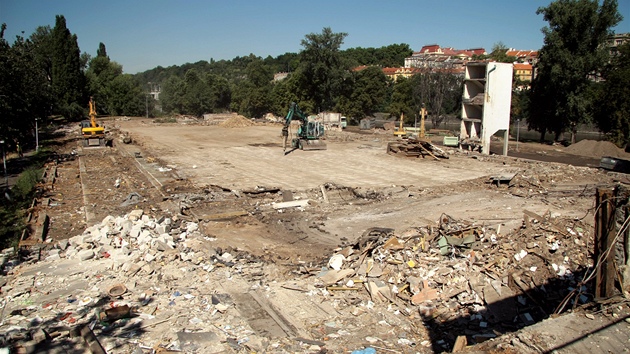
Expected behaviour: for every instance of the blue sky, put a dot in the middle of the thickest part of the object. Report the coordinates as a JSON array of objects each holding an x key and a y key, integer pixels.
[{"x": 142, "y": 34}]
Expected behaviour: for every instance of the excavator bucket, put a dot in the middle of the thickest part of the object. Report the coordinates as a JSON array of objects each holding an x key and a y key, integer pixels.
[{"x": 312, "y": 145}]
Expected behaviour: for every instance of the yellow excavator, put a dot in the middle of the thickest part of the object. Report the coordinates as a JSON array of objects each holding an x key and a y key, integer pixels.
[{"x": 93, "y": 134}]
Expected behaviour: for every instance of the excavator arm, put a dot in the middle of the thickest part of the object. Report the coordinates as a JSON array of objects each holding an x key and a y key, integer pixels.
[
  {"x": 93, "y": 134},
  {"x": 308, "y": 134}
]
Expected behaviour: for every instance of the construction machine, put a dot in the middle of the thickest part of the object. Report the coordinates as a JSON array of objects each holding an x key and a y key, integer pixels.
[
  {"x": 92, "y": 133},
  {"x": 308, "y": 133},
  {"x": 401, "y": 130}
]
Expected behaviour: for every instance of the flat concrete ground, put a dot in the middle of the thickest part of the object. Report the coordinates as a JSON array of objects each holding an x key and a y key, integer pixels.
[
  {"x": 416, "y": 191},
  {"x": 241, "y": 158}
]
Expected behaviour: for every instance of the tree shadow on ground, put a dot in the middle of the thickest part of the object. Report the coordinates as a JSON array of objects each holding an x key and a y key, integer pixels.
[
  {"x": 526, "y": 305},
  {"x": 65, "y": 332}
]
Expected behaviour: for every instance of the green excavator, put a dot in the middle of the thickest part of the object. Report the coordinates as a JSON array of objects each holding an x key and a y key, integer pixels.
[{"x": 308, "y": 134}]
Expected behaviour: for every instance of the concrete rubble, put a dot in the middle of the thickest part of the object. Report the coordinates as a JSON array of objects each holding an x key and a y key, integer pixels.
[
  {"x": 457, "y": 277},
  {"x": 167, "y": 276}
]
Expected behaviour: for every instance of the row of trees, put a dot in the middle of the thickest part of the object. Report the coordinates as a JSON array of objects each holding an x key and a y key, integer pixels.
[
  {"x": 320, "y": 78},
  {"x": 46, "y": 75}
]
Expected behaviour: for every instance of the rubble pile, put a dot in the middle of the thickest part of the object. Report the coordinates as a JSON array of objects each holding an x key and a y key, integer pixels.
[
  {"x": 597, "y": 149},
  {"x": 237, "y": 122},
  {"x": 412, "y": 147},
  {"x": 465, "y": 279},
  {"x": 123, "y": 278}
]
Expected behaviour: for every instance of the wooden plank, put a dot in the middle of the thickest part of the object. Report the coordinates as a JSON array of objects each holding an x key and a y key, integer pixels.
[
  {"x": 428, "y": 152},
  {"x": 460, "y": 344},
  {"x": 91, "y": 341},
  {"x": 224, "y": 216},
  {"x": 291, "y": 204},
  {"x": 29, "y": 242},
  {"x": 323, "y": 189},
  {"x": 604, "y": 239}
]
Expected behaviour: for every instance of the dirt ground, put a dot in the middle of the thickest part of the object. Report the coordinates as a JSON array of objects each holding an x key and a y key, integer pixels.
[
  {"x": 231, "y": 178},
  {"x": 169, "y": 164}
]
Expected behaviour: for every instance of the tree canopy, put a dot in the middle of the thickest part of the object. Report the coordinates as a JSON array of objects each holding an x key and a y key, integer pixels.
[
  {"x": 68, "y": 81},
  {"x": 612, "y": 98},
  {"x": 574, "y": 52}
]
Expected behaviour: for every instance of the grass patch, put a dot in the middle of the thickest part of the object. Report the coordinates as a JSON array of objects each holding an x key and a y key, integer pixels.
[{"x": 15, "y": 202}]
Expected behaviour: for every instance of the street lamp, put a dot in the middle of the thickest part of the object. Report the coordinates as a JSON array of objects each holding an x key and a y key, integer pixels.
[
  {"x": 4, "y": 162},
  {"x": 36, "y": 135},
  {"x": 518, "y": 127}
]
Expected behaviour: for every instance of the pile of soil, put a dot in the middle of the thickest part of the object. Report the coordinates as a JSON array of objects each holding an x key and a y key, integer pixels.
[
  {"x": 597, "y": 149},
  {"x": 237, "y": 122}
]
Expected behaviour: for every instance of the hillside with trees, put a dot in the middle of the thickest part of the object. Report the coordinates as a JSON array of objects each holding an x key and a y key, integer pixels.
[{"x": 46, "y": 75}]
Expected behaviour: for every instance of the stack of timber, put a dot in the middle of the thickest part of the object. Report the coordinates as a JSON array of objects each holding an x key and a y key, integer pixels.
[{"x": 415, "y": 148}]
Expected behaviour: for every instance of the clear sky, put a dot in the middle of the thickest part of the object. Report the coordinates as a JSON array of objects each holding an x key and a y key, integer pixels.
[{"x": 142, "y": 34}]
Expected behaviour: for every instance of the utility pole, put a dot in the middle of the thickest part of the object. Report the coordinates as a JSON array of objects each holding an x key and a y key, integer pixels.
[
  {"x": 518, "y": 127},
  {"x": 4, "y": 162},
  {"x": 423, "y": 112},
  {"x": 36, "y": 135}
]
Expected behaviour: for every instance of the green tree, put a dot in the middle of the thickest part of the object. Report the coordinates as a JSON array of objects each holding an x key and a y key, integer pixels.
[
  {"x": 390, "y": 56},
  {"x": 499, "y": 53},
  {"x": 68, "y": 81},
  {"x": 24, "y": 93},
  {"x": 172, "y": 94},
  {"x": 402, "y": 100},
  {"x": 42, "y": 44},
  {"x": 101, "y": 51},
  {"x": 282, "y": 94},
  {"x": 612, "y": 103},
  {"x": 100, "y": 74},
  {"x": 125, "y": 97},
  {"x": 439, "y": 91},
  {"x": 321, "y": 71},
  {"x": 197, "y": 98},
  {"x": 574, "y": 50},
  {"x": 252, "y": 97},
  {"x": 363, "y": 94}
]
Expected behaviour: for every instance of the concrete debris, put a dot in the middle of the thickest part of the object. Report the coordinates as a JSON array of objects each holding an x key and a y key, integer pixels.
[
  {"x": 291, "y": 204},
  {"x": 118, "y": 278},
  {"x": 463, "y": 275},
  {"x": 126, "y": 275}
]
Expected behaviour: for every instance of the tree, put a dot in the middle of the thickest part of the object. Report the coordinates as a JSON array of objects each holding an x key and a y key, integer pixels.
[
  {"x": 439, "y": 91},
  {"x": 321, "y": 71},
  {"x": 499, "y": 53},
  {"x": 101, "y": 51},
  {"x": 363, "y": 94},
  {"x": 25, "y": 92},
  {"x": 172, "y": 94},
  {"x": 390, "y": 56},
  {"x": 612, "y": 103},
  {"x": 100, "y": 74},
  {"x": 68, "y": 81},
  {"x": 252, "y": 97},
  {"x": 125, "y": 97},
  {"x": 402, "y": 100},
  {"x": 574, "y": 50}
]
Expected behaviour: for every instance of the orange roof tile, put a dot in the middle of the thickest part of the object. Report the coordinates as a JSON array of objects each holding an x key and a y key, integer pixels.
[{"x": 522, "y": 66}]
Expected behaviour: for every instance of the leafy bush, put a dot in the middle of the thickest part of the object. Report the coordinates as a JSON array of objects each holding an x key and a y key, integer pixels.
[{"x": 14, "y": 203}]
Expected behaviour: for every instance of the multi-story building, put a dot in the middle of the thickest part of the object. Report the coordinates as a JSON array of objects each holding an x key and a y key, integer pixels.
[
  {"x": 617, "y": 40},
  {"x": 395, "y": 73},
  {"x": 523, "y": 56},
  {"x": 523, "y": 72},
  {"x": 434, "y": 56}
]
